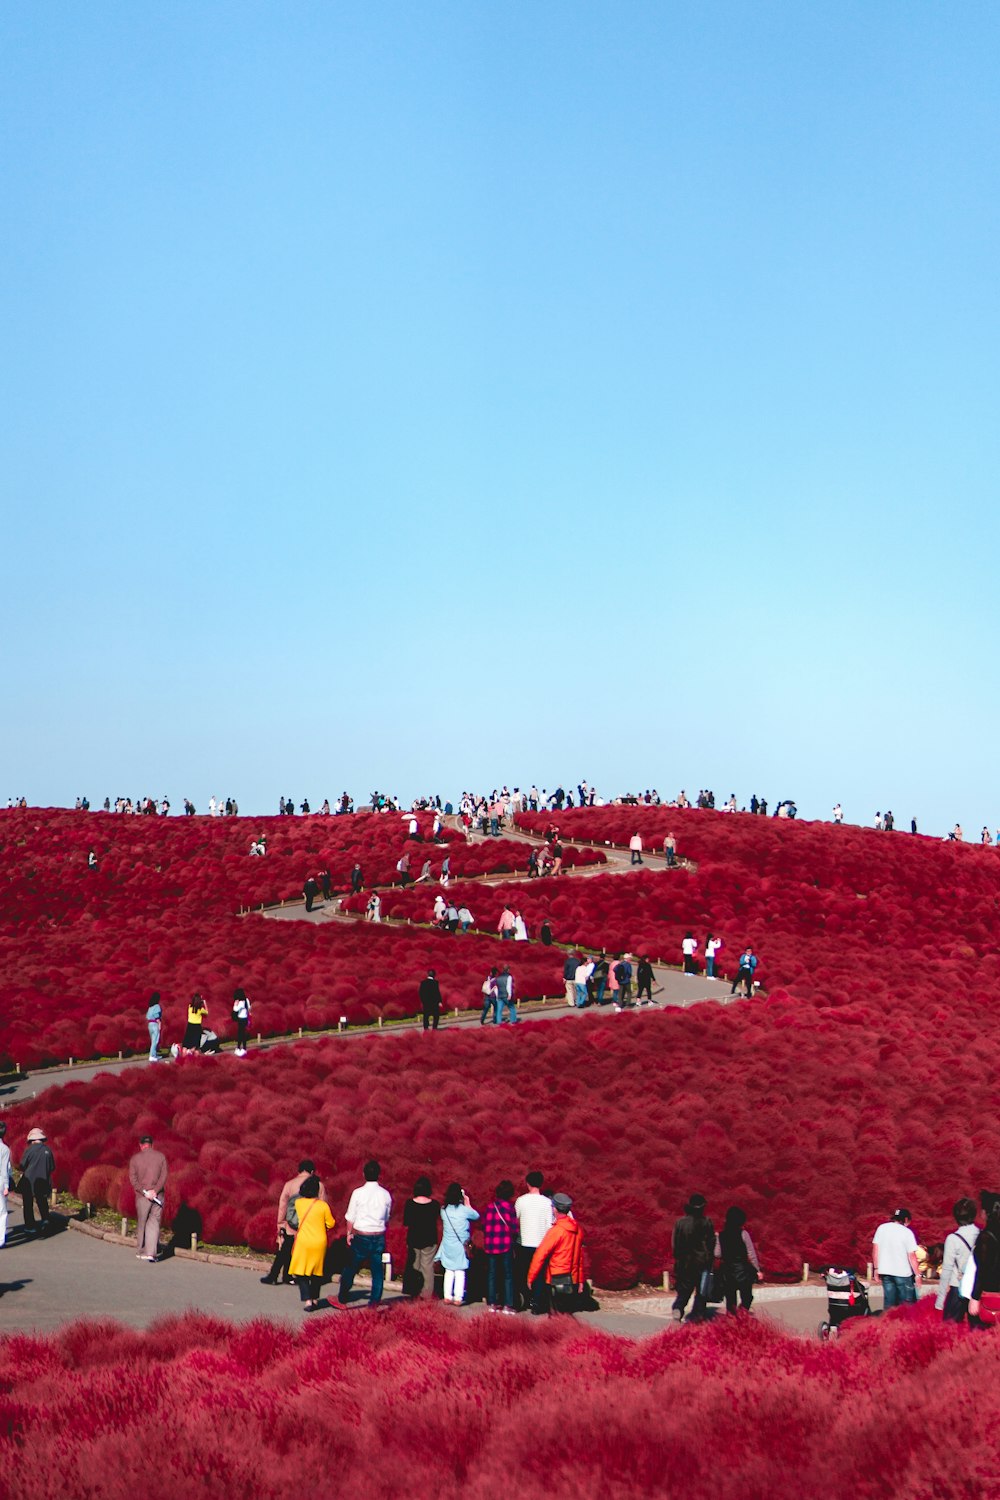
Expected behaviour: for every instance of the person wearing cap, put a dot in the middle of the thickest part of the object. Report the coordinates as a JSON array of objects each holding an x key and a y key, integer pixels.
[
  {"x": 5, "y": 1182},
  {"x": 37, "y": 1167},
  {"x": 430, "y": 1000},
  {"x": 894, "y": 1259},
  {"x": 560, "y": 1256},
  {"x": 694, "y": 1254},
  {"x": 285, "y": 1232},
  {"x": 147, "y": 1172}
]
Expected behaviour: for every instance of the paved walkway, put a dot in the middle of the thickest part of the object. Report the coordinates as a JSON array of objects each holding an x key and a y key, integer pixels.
[{"x": 46, "y": 1283}]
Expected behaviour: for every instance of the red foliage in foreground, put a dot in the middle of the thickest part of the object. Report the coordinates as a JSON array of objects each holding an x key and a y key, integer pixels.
[
  {"x": 418, "y": 1403},
  {"x": 814, "y": 1121}
]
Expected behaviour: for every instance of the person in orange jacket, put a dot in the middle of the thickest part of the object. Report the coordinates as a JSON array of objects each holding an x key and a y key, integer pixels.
[{"x": 560, "y": 1255}]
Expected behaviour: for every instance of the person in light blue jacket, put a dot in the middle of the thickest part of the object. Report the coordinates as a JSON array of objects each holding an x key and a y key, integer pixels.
[{"x": 457, "y": 1215}]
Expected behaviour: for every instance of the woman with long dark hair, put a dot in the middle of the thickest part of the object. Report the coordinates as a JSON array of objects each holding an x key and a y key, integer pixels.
[
  {"x": 740, "y": 1266},
  {"x": 985, "y": 1296}
]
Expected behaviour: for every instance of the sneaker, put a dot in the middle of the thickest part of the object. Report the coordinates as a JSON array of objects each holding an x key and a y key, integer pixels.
[
  {"x": 618, "y": 1007},
  {"x": 677, "y": 1315},
  {"x": 509, "y": 1312}
]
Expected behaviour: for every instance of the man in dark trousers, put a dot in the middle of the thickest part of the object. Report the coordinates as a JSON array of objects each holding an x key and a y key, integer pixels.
[
  {"x": 286, "y": 1231},
  {"x": 430, "y": 1000},
  {"x": 310, "y": 890},
  {"x": 694, "y": 1255}
]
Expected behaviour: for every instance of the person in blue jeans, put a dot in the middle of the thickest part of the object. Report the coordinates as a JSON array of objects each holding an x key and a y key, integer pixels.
[
  {"x": 894, "y": 1259},
  {"x": 367, "y": 1216},
  {"x": 505, "y": 997}
]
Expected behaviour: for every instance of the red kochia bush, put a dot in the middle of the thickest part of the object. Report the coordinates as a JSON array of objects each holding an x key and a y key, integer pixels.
[
  {"x": 424, "y": 1404},
  {"x": 814, "y": 1121}
]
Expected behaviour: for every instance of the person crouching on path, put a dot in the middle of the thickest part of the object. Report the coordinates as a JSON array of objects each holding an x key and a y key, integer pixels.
[
  {"x": 560, "y": 1256},
  {"x": 286, "y": 1229},
  {"x": 309, "y": 1250},
  {"x": 147, "y": 1172}
]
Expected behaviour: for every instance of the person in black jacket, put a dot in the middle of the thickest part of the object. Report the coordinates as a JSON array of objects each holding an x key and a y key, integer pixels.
[
  {"x": 694, "y": 1254},
  {"x": 37, "y": 1167},
  {"x": 740, "y": 1266},
  {"x": 310, "y": 890},
  {"x": 422, "y": 1219},
  {"x": 430, "y": 1000},
  {"x": 644, "y": 981},
  {"x": 987, "y": 1257}
]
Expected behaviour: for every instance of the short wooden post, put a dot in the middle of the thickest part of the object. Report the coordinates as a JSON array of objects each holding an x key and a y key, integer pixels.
[
  {"x": 124, "y": 1229},
  {"x": 666, "y": 1281},
  {"x": 805, "y": 1271},
  {"x": 870, "y": 1272},
  {"x": 120, "y": 1056},
  {"x": 71, "y": 1062},
  {"x": 380, "y": 1023},
  {"x": 17, "y": 1067},
  {"x": 258, "y": 1039},
  {"x": 194, "y": 1240},
  {"x": 387, "y": 1265},
  {"x": 300, "y": 1033}
]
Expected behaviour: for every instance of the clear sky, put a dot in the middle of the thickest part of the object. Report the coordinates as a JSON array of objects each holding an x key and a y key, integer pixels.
[{"x": 421, "y": 396}]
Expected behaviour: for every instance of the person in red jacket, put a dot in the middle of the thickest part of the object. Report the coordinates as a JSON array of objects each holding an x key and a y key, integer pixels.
[{"x": 560, "y": 1255}]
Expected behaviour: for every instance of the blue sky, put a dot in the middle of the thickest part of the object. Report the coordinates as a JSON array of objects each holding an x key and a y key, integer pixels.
[{"x": 431, "y": 396}]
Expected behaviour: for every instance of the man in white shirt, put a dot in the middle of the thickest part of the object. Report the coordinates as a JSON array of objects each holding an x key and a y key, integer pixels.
[
  {"x": 367, "y": 1216},
  {"x": 581, "y": 975},
  {"x": 894, "y": 1259},
  {"x": 535, "y": 1218},
  {"x": 5, "y": 1181}
]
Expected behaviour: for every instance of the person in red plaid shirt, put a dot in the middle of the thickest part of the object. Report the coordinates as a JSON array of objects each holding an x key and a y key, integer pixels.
[{"x": 499, "y": 1239}]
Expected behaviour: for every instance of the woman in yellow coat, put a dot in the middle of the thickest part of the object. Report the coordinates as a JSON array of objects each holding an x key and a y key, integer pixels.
[{"x": 309, "y": 1250}]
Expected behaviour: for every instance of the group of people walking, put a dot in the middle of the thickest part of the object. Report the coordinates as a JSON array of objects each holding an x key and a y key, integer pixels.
[{"x": 533, "y": 1244}]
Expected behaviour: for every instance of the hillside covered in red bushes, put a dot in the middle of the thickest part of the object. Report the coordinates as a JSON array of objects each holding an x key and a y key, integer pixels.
[
  {"x": 421, "y": 1403},
  {"x": 817, "y": 1106},
  {"x": 81, "y": 950}
]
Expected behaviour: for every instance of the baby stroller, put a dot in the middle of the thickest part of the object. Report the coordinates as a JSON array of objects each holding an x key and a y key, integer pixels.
[{"x": 846, "y": 1297}]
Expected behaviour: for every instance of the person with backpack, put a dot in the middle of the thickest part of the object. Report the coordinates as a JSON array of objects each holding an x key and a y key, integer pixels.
[
  {"x": 241, "y": 1015},
  {"x": 958, "y": 1247},
  {"x": 499, "y": 1239},
  {"x": 489, "y": 992},
  {"x": 694, "y": 1256}
]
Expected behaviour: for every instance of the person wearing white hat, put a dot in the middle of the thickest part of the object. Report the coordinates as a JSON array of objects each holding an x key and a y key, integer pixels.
[{"x": 37, "y": 1167}]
